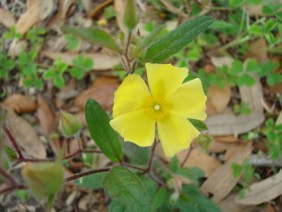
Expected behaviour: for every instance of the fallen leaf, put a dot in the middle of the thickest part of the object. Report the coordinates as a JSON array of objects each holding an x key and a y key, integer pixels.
[
  {"x": 221, "y": 61},
  {"x": 173, "y": 9},
  {"x": 20, "y": 103},
  {"x": 25, "y": 136},
  {"x": 229, "y": 124},
  {"x": 262, "y": 191},
  {"x": 197, "y": 158},
  {"x": 218, "y": 99},
  {"x": 219, "y": 147},
  {"x": 227, "y": 138},
  {"x": 46, "y": 8},
  {"x": 59, "y": 18},
  {"x": 30, "y": 17},
  {"x": 103, "y": 90},
  {"x": 253, "y": 95},
  {"x": 100, "y": 61},
  {"x": 200, "y": 159},
  {"x": 87, "y": 6},
  {"x": 119, "y": 6},
  {"x": 254, "y": 53},
  {"x": 7, "y": 18},
  {"x": 221, "y": 182},
  {"x": 46, "y": 116},
  {"x": 228, "y": 204}
]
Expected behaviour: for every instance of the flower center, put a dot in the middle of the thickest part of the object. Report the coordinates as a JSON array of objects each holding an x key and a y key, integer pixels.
[{"x": 157, "y": 109}]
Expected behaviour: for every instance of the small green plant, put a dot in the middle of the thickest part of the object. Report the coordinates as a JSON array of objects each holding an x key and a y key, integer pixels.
[
  {"x": 245, "y": 170},
  {"x": 56, "y": 73},
  {"x": 73, "y": 41},
  {"x": 81, "y": 65},
  {"x": 242, "y": 109},
  {"x": 273, "y": 135}
]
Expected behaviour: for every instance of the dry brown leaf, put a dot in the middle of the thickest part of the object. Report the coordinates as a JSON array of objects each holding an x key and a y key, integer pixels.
[
  {"x": 46, "y": 117},
  {"x": 229, "y": 124},
  {"x": 228, "y": 205},
  {"x": 197, "y": 158},
  {"x": 220, "y": 61},
  {"x": 218, "y": 147},
  {"x": 7, "y": 18},
  {"x": 218, "y": 99},
  {"x": 173, "y": 9},
  {"x": 262, "y": 191},
  {"x": 63, "y": 8},
  {"x": 25, "y": 135},
  {"x": 102, "y": 91},
  {"x": 46, "y": 8},
  {"x": 101, "y": 61},
  {"x": 228, "y": 139},
  {"x": 87, "y": 5},
  {"x": 30, "y": 17},
  {"x": 20, "y": 103},
  {"x": 119, "y": 6},
  {"x": 253, "y": 95},
  {"x": 254, "y": 53},
  {"x": 221, "y": 181}
]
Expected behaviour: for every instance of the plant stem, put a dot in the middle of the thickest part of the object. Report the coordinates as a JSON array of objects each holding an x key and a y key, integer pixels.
[
  {"x": 82, "y": 174},
  {"x": 187, "y": 156},
  {"x": 148, "y": 169},
  {"x": 13, "y": 141}
]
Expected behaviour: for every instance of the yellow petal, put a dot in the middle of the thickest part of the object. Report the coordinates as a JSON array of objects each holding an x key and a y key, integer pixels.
[
  {"x": 164, "y": 79},
  {"x": 189, "y": 101},
  {"x": 136, "y": 127},
  {"x": 176, "y": 134},
  {"x": 130, "y": 96}
]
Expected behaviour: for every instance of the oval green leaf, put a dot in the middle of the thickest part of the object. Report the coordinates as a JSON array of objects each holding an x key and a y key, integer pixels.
[
  {"x": 175, "y": 40},
  {"x": 124, "y": 186},
  {"x": 101, "y": 131},
  {"x": 94, "y": 35}
]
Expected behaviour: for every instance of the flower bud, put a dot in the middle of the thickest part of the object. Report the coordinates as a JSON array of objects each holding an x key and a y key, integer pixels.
[
  {"x": 173, "y": 198},
  {"x": 130, "y": 17},
  {"x": 43, "y": 179},
  {"x": 69, "y": 124}
]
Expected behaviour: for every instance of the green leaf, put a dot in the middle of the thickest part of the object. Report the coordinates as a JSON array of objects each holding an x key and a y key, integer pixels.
[
  {"x": 268, "y": 9},
  {"x": 93, "y": 181},
  {"x": 175, "y": 40},
  {"x": 236, "y": 68},
  {"x": 94, "y": 35},
  {"x": 192, "y": 197},
  {"x": 76, "y": 73},
  {"x": 160, "y": 199},
  {"x": 252, "y": 66},
  {"x": 59, "y": 81},
  {"x": 236, "y": 3},
  {"x": 130, "y": 18},
  {"x": 136, "y": 154},
  {"x": 246, "y": 79},
  {"x": 256, "y": 30},
  {"x": 123, "y": 185},
  {"x": 101, "y": 132},
  {"x": 148, "y": 40},
  {"x": 200, "y": 125},
  {"x": 73, "y": 41},
  {"x": 116, "y": 206},
  {"x": 49, "y": 74}
]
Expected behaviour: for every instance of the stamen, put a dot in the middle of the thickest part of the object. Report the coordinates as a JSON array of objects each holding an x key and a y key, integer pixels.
[{"x": 157, "y": 107}]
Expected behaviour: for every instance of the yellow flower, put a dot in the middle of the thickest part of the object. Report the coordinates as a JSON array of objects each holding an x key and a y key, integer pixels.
[{"x": 168, "y": 104}]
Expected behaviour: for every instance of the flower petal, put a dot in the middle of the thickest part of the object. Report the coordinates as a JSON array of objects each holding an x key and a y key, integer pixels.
[
  {"x": 130, "y": 96},
  {"x": 136, "y": 127},
  {"x": 176, "y": 134},
  {"x": 189, "y": 101},
  {"x": 164, "y": 79}
]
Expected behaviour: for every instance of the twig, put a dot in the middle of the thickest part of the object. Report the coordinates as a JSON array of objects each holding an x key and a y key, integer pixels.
[
  {"x": 148, "y": 169},
  {"x": 13, "y": 141},
  {"x": 12, "y": 188},
  {"x": 83, "y": 174},
  {"x": 99, "y": 8},
  {"x": 187, "y": 156}
]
